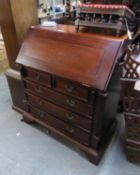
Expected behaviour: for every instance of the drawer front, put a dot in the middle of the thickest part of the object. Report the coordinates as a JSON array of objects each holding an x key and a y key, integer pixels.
[
  {"x": 72, "y": 89},
  {"x": 65, "y": 128},
  {"x": 133, "y": 154},
  {"x": 133, "y": 126},
  {"x": 60, "y": 113},
  {"x": 65, "y": 101},
  {"x": 37, "y": 76}
]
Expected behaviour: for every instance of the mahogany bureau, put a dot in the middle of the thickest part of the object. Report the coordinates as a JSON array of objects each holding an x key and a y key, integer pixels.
[{"x": 72, "y": 84}]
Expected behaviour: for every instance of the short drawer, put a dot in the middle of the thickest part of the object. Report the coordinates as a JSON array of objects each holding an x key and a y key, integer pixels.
[
  {"x": 63, "y": 127},
  {"x": 72, "y": 89},
  {"x": 62, "y": 100},
  {"x": 133, "y": 154},
  {"x": 42, "y": 78},
  {"x": 60, "y": 113}
]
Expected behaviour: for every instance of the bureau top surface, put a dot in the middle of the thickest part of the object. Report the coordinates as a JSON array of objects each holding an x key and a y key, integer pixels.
[{"x": 84, "y": 57}]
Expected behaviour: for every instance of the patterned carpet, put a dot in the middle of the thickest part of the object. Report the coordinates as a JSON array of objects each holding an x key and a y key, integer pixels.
[{"x": 3, "y": 57}]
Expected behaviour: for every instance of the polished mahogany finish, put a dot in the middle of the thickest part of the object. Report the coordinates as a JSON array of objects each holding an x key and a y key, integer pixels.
[
  {"x": 61, "y": 113},
  {"x": 72, "y": 51},
  {"x": 64, "y": 101},
  {"x": 72, "y": 85},
  {"x": 66, "y": 128},
  {"x": 39, "y": 77},
  {"x": 71, "y": 89}
]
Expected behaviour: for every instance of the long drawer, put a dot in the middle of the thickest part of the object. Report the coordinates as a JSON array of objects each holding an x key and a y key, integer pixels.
[
  {"x": 60, "y": 113},
  {"x": 65, "y": 128},
  {"x": 63, "y": 100},
  {"x": 39, "y": 77}
]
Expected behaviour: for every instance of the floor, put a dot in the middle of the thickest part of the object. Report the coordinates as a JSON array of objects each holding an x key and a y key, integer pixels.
[{"x": 30, "y": 150}]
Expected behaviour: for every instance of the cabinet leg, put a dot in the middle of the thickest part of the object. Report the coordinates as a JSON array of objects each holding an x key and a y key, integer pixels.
[
  {"x": 27, "y": 120},
  {"x": 93, "y": 158}
]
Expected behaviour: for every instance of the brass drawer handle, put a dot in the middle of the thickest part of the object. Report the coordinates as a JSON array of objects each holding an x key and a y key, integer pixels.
[
  {"x": 70, "y": 129},
  {"x": 38, "y": 76},
  {"x": 40, "y": 102},
  {"x": 70, "y": 88},
  {"x": 70, "y": 117},
  {"x": 38, "y": 89},
  {"x": 71, "y": 102}
]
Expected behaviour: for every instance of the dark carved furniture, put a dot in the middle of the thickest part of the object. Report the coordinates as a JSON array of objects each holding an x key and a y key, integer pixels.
[
  {"x": 72, "y": 84},
  {"x": 131, "y": 99},
  {"x": 106, "y": 17}
]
